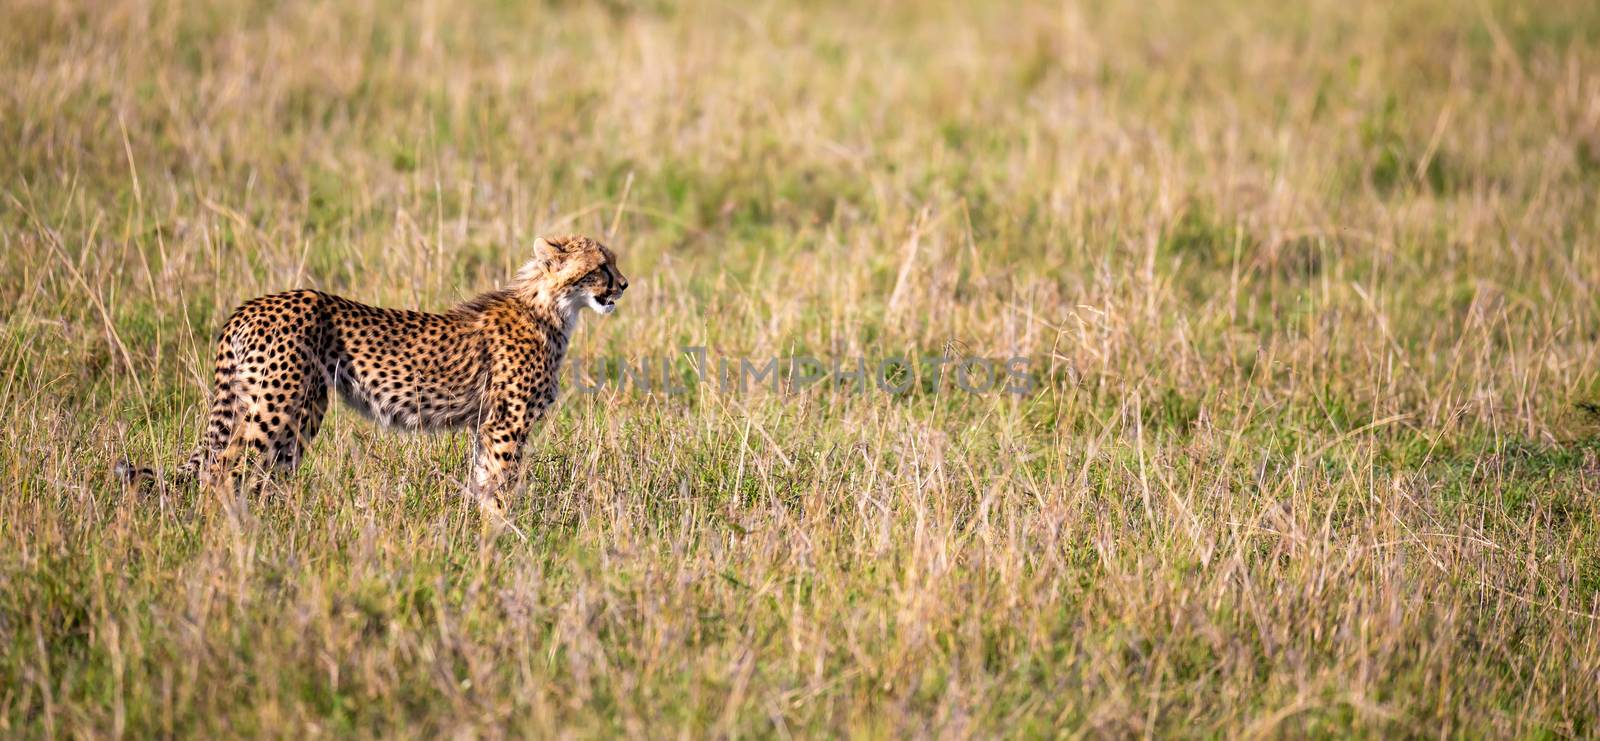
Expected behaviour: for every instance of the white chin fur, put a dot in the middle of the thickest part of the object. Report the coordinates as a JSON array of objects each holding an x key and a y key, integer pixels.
[{"x": 595, "y": 304}]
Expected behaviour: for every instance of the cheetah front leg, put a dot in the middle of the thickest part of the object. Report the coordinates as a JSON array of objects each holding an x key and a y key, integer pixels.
[{"x": 497, "y": 451}]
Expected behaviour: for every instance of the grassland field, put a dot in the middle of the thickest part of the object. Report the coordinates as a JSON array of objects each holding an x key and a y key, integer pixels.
[{"x": 1310, "y": 293}]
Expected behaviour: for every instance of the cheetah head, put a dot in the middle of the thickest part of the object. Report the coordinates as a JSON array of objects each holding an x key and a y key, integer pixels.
[{"x": 574, "y": 272}]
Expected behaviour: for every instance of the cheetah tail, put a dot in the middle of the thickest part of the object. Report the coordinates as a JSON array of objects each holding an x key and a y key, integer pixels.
[{"x": 135, "y": 479}]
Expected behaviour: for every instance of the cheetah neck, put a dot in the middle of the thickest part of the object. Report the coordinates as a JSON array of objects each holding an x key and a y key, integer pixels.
[
  {"x": 567, "y": 315},
  {"x": 560, "y": 311}
]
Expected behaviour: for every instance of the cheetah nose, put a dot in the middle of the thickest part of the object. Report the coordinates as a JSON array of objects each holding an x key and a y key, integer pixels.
[{"x": 624, "y": 287}]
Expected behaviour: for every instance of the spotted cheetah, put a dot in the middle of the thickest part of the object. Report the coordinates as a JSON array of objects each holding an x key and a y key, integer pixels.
[{"x": 491, "y": 363}]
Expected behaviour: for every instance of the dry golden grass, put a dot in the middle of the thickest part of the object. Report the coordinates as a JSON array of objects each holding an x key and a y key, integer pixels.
[{"x": 1312, "y": 293}]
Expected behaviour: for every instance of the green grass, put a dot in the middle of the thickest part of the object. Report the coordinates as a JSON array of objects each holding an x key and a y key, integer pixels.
[{"x": 1311, "y": 292}]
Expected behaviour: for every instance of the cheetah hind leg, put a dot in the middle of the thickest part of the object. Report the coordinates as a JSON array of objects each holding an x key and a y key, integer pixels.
[
  {"x": 220, "y": 466},
  {"x": 244, "y": 432},
  {"x": 290, "y": 441}
]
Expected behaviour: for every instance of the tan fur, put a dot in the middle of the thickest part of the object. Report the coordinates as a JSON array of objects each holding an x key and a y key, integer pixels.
[{"x": 491, "y": 363}]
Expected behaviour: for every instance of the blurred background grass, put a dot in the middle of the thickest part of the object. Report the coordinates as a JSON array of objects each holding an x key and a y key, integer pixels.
[{"x": 1310, "y": 289}]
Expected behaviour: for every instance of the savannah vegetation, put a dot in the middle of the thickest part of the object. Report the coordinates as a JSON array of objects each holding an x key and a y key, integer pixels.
[{"x": 1311, "y": 292}]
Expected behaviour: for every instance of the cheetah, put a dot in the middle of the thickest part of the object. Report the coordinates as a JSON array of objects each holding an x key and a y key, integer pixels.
[{"x": 491, "y": 363}]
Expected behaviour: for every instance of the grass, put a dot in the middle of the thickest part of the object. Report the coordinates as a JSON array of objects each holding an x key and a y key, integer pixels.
[{"x": 1311, "y": 294}]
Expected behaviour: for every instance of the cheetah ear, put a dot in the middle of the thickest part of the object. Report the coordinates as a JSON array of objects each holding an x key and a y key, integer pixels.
[
  {"x": 547, "y": 258},
  {"x": 549, "y": 255},
  {"x": 549, "y": 250}
]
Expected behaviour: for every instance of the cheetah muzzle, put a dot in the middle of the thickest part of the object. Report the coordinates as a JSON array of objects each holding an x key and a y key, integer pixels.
[{"x": 491, "y": 363}]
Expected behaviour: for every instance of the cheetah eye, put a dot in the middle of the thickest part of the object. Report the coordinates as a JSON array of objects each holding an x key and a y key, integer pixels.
[{"x": 599, "y": 275}]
